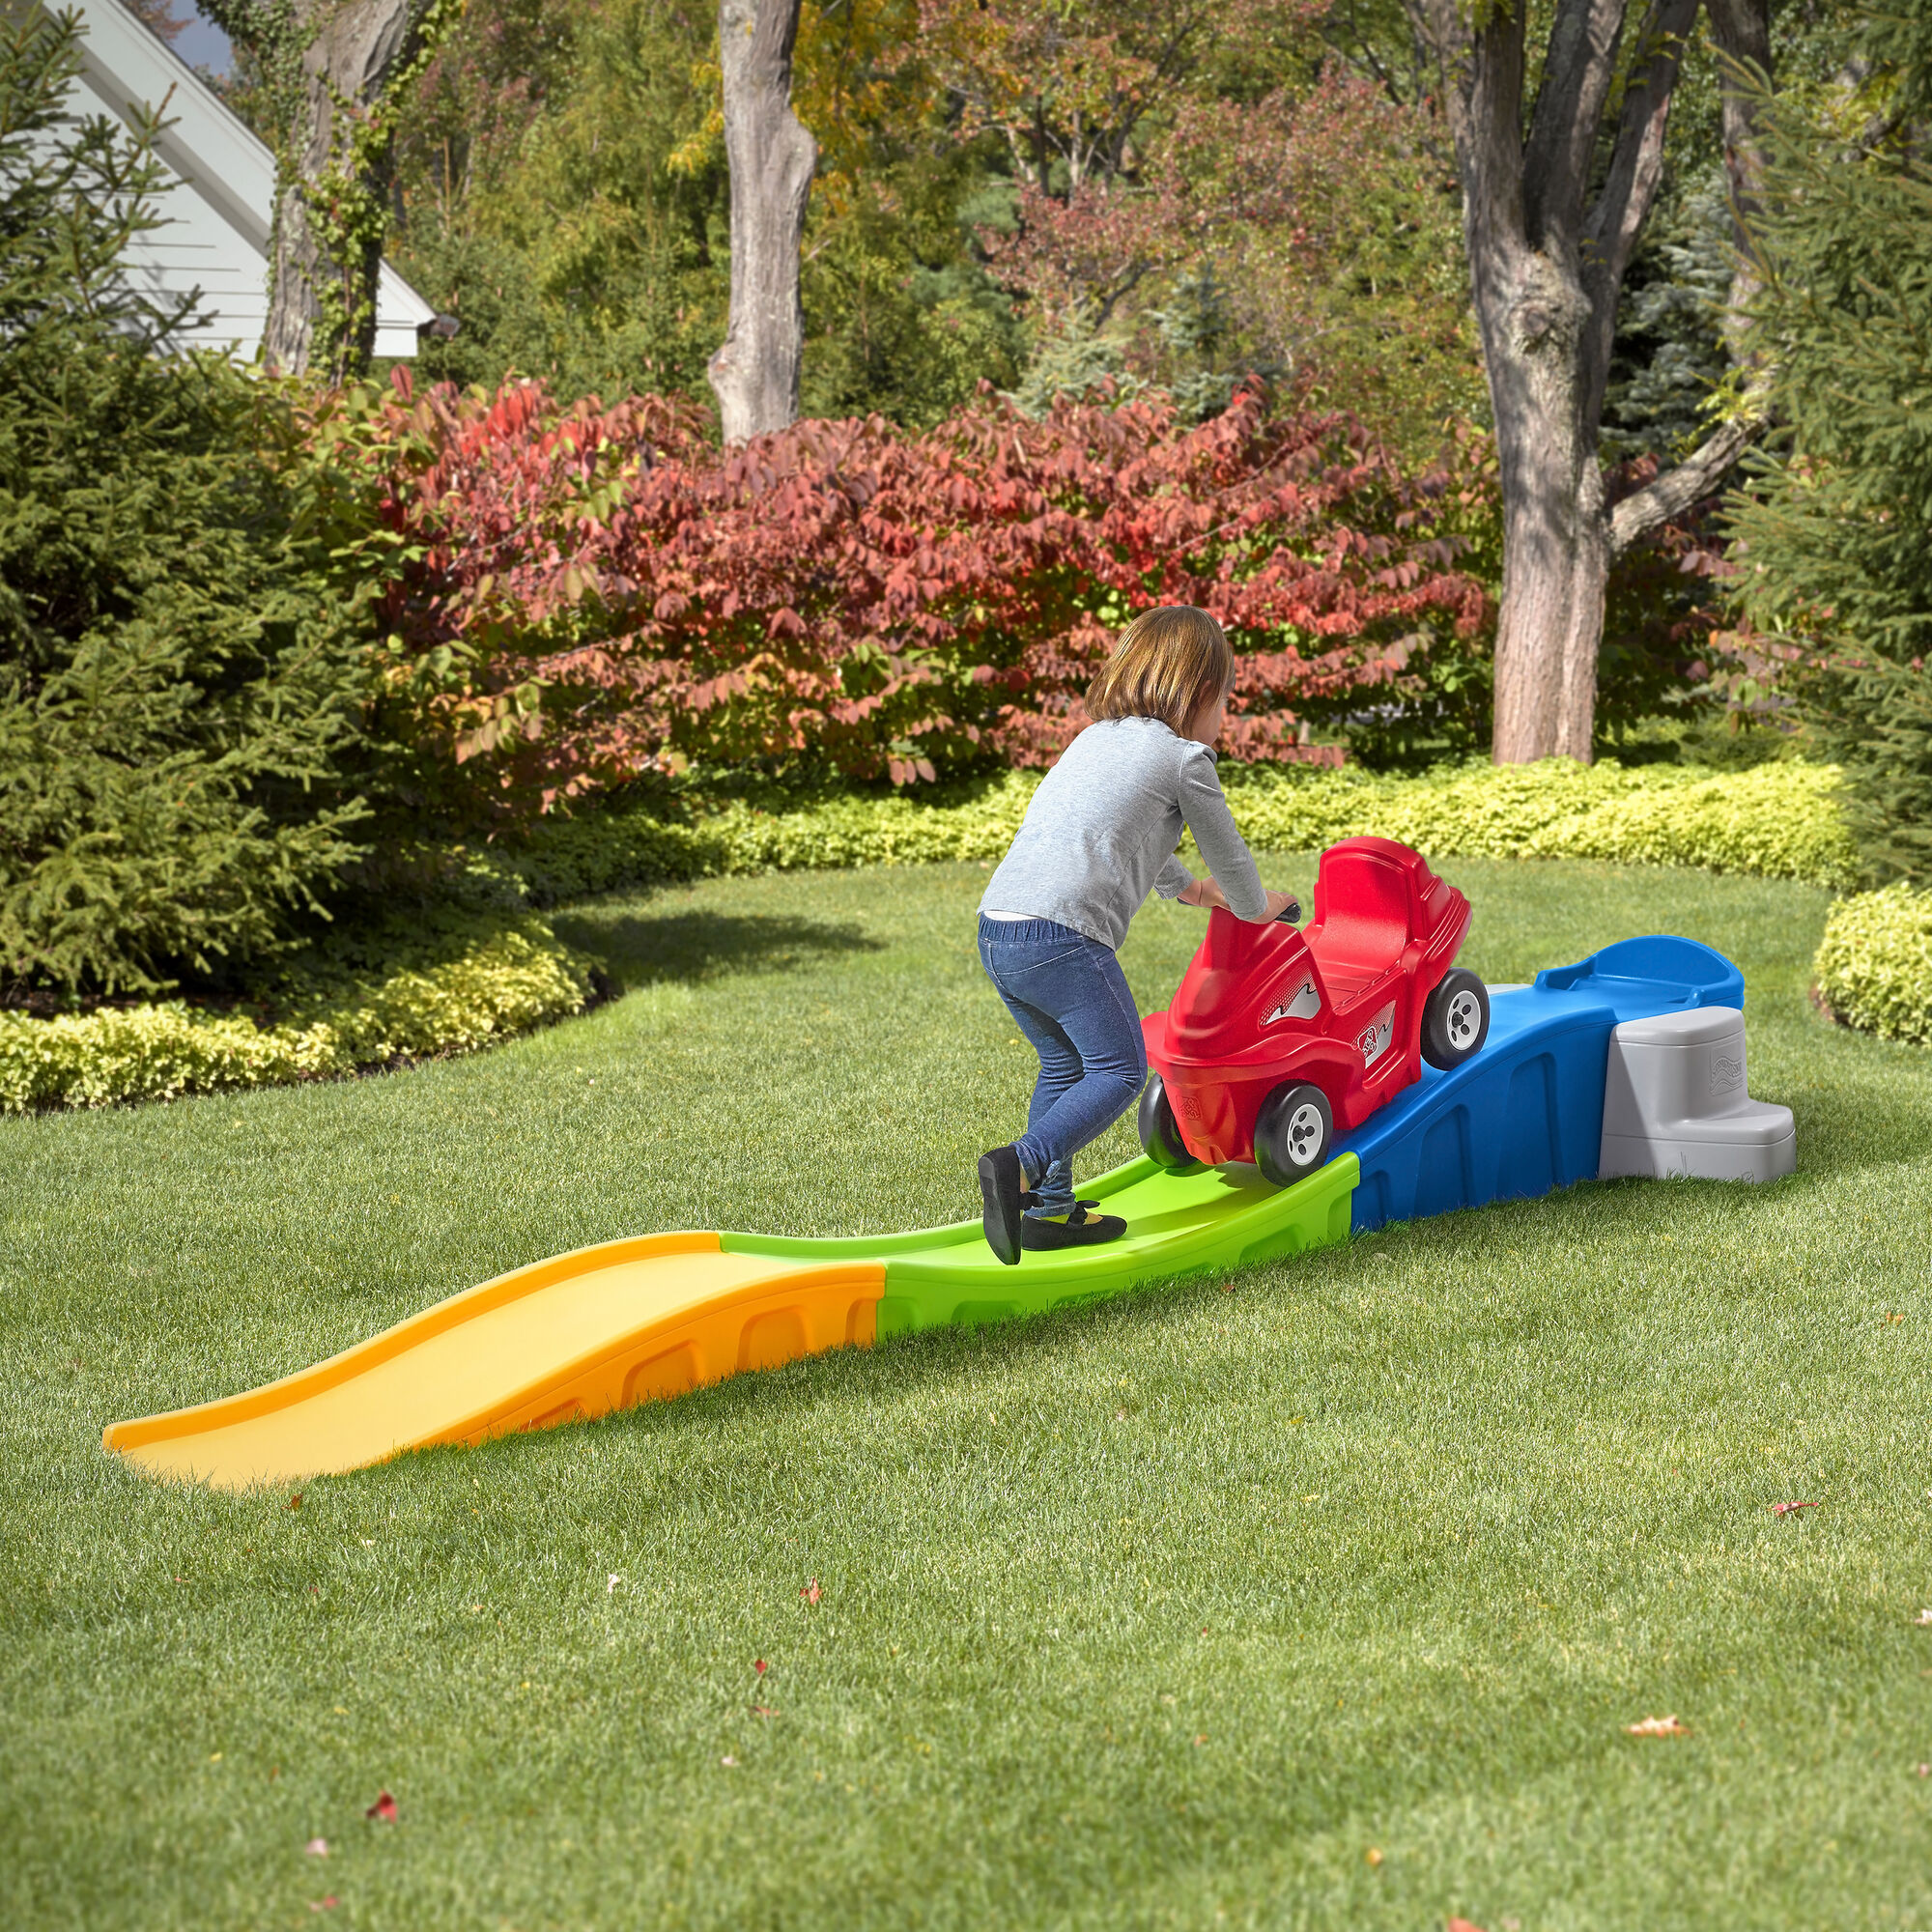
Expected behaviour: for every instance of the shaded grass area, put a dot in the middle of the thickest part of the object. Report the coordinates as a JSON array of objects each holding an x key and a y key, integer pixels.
[{"x": 1167, "y": 1612}]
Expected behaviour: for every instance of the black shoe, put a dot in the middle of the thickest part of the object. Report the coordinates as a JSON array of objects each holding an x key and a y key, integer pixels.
[
  {"x": 1080, "y": 1229},
  {"x": 1001, "y": 1190}
]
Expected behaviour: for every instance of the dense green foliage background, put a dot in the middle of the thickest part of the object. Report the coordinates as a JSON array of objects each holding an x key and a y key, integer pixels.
[
  {"x": 231, "y": 686},
  {"x": 177, "y": 679},
  {"x": 1834, "y": 527}
]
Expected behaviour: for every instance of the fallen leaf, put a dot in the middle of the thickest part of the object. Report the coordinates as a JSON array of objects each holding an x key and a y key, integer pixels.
[
  {"x": 215, "y": 1758},
  {"x": 763, "y": 1711},
  {"x": 342, "y": 1709},
  {"x": 1462, "y": 1925},
  {"x": 812, "y": 1592},
  {"x": 1373, "y": 1856},
  {"x": 1925, "y": 1616},
  {"x": 1786, "y": 1509},
  {"x": 384, "y": 1810},
  {"x": 1925, "y": 1770},
  {"x": 321, "y": 1904},
  {"x": 1658, "y": 1727},
  {"x": 731, "y": 1761},
  {"x": 611, "y": 1581},
  {"x": 758, "y": 1665},
  {"x": 1201, "y": 1739},
  {"x": 317, "y": 1848},
  {"x": 295, "y": 1504}
]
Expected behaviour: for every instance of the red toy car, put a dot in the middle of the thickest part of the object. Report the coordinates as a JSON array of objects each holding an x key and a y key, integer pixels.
[{"x": 1277, "y": 1040}]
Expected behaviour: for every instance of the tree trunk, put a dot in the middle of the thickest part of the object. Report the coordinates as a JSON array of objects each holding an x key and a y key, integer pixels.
[
  {"x": 331, "y": 68},
  {"x": 330, "y": 216},
  {"x": 755, "y": 370},
  {"x": 1548, "y": 238},
  {"x": 1555, "y": 542}
]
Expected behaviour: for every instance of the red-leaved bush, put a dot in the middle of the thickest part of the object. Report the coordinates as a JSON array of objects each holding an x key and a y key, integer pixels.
[{"x": 575, "y": 596}]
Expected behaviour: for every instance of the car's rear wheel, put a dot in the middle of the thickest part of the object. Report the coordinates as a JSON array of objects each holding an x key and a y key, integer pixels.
[
  {"x": 1292, "y": 1132},
  {"x": 1160, "y": 1131},
  {"x": 1455, "y": 1019}
]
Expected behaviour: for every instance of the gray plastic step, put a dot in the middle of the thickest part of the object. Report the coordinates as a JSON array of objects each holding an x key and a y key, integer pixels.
[{"x": 1676, "y": 1102}]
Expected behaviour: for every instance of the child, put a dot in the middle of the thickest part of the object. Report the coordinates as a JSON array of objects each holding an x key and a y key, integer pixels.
[{"x": 1100, "y": 834}]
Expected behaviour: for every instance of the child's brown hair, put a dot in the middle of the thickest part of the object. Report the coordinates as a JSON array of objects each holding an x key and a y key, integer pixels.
[{"x": 1167, "y": 665}]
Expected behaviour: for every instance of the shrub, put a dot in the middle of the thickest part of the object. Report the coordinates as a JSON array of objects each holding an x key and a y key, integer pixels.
[
  {"x": 457, "y": 984},
  {"x": 577, "y": 596},
  {"x": 174, "y": 681},
  {"x": 1875, "y": 965},
  {"x": 1775, "y": 821}
]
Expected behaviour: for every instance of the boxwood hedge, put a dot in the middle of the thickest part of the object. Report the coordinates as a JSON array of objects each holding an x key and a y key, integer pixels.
[
  {"x": 462, "y": 985},
  {"x": 1875, "y": 965}
]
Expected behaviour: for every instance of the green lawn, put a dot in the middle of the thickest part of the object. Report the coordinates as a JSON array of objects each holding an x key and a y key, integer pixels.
[{"x": 1318, "y": 1596}]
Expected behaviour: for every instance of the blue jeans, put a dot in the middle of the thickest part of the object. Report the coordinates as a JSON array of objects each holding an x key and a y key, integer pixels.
[{"x": 1067, "y": 995}]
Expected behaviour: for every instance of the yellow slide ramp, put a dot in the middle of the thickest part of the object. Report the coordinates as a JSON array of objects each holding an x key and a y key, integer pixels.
[{"x": 579, "y": 1335}]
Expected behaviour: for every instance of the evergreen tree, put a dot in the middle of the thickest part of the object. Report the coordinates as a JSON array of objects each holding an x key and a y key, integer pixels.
[
  {"x": 1835, "y": 527},
  {"x": 175, "y": 681}
]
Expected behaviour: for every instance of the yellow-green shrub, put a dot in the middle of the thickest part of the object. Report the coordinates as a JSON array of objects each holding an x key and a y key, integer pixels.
[
  {"x": 1778, "y": 821},
  {"x": 1875, "y": 965},
  {"x": 492, "y": 979}
]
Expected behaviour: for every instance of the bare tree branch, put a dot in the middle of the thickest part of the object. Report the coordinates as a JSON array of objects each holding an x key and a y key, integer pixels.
[
  {"x": 1635, "y": 172},
  {"x": 1691, "y": 482},
  {"x": 1578, "y": 70},
  {"x": 1743, "y": 34},
  {"x": 1636, "y": 161}
]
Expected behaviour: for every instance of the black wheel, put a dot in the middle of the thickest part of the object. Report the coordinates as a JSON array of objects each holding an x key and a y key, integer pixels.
[
  {"x": 1456, "y": 1020},
  {"x": 1292, "y": 1132},
  {"x": 1161, "y": 1132}
]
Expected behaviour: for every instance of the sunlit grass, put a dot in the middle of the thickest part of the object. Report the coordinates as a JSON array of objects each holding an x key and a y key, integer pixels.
[{"x": 1168, "y": 1613}]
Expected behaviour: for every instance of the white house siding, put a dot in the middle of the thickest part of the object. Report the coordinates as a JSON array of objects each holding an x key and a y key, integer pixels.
[{"x": 218, "y": 209}]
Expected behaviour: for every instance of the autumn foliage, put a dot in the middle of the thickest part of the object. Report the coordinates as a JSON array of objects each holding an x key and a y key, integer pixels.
[{"x": 575, "y": 596}]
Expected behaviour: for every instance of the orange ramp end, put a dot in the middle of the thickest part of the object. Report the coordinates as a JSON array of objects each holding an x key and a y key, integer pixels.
[{"x": 576, "y": 1336}]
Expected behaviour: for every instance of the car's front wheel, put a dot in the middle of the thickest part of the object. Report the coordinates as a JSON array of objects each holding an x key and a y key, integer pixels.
[
  {"x": 1160, "y": 1131},
  {"x": 1292, "y": 1132},
  {"x": 1455, "y": 1019}
]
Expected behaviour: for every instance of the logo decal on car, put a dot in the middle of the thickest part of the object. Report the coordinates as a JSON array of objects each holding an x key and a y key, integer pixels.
[{"x": 1373, "y": 1039}]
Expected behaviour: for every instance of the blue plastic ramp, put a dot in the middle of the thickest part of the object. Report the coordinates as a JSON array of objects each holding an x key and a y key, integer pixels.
[{"x": 1526, "y": 1114}]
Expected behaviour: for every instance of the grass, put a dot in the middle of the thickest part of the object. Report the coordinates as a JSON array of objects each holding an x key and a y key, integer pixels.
[{"x": 1319, "y": 1595}]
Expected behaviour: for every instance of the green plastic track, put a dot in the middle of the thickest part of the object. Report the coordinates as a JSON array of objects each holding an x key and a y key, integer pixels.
[{"x": 1178, "y": 1224}]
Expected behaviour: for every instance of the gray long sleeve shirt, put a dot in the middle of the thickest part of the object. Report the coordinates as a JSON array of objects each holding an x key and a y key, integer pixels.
[{"x": 1101, "y": 833}]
